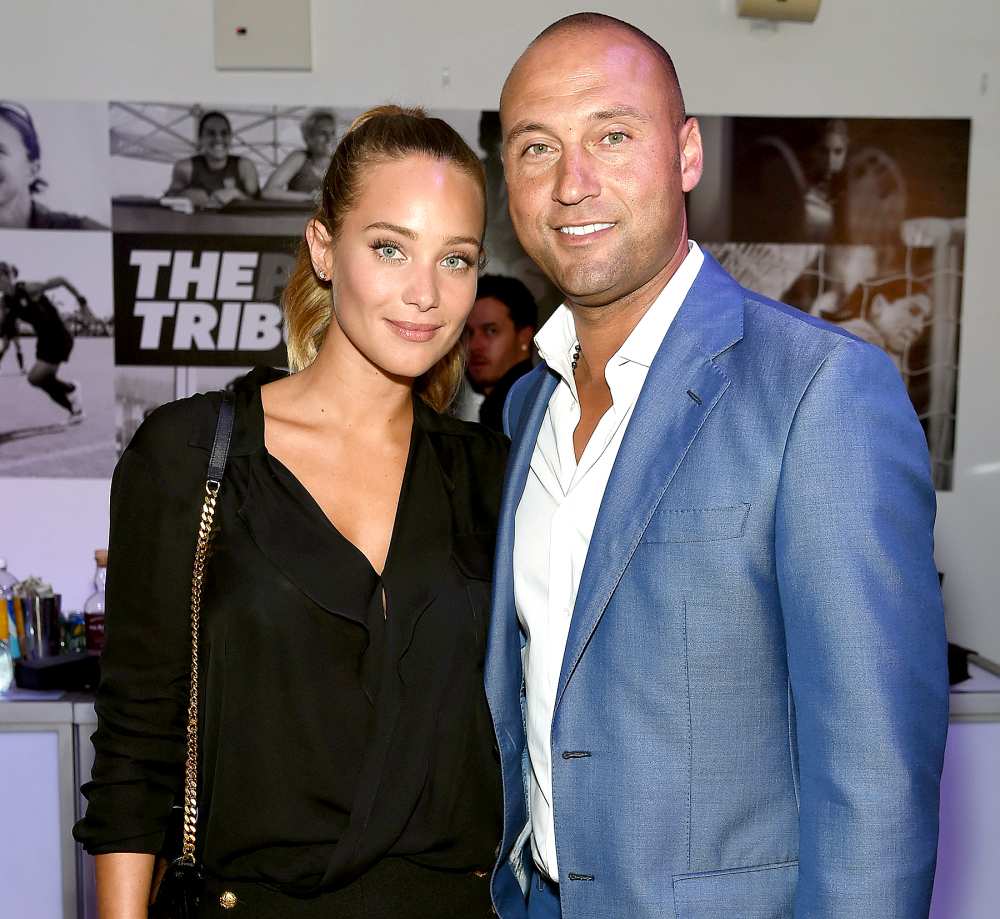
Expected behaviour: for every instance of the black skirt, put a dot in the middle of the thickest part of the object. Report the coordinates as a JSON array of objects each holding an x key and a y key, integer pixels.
[{"x": 394, "y": 888}]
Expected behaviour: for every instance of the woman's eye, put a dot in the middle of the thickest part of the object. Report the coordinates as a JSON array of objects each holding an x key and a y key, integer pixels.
[
  {"x": 455, "y": 262},
  {"x": 389, "y": 253}
]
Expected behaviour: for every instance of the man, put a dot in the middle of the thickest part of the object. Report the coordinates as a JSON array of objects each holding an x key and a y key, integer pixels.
[
  {"x": 26, "y": 301},
  {"x": 498, "y": 337},
  {"x": 897, "y": 314},
  {"x": 714, "y": 554}
]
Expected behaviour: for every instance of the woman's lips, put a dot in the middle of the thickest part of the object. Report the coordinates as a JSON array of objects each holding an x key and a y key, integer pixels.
[{"x": 414, "y": 331}]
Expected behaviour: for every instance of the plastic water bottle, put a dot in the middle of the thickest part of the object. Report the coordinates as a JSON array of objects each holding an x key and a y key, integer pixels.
[
  {"x": 7, "y": 582},
  {"x": 93, "y": 609}
]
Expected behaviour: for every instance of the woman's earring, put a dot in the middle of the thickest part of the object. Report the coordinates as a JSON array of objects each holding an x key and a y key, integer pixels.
[{"x": 322, "y": 274}]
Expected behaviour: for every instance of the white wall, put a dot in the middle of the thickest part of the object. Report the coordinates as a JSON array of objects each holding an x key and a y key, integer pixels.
[{"x": 891, "y": 58}]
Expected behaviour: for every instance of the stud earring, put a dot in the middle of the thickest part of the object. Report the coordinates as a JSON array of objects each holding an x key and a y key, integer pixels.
[{"x": 322, "y": 274}]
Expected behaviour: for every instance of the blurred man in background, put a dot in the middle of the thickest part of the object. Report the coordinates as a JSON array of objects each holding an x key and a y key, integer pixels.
[{"x": 498, "y": 337}]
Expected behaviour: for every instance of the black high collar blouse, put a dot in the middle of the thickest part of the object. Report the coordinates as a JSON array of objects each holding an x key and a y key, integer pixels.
[{"x": 333, "y": 735}]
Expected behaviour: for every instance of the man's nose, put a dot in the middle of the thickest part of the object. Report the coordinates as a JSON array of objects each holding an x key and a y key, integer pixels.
[{"x": 575, "y": 180}]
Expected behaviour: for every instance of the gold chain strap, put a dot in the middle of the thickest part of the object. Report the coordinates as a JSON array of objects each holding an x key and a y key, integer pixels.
[{"x": 191, "y": 757}]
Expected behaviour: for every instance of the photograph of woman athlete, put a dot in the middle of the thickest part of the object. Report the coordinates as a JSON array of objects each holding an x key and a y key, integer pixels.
[
  {"x": 25, "y": 301},
  {"x": 9, "y": 336},
  {"x": 21, "y": 179},
  {"x": 299, "y": 176}
]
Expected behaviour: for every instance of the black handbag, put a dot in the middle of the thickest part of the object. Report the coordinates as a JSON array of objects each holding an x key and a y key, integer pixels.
[{"x": 179, "y": 884}]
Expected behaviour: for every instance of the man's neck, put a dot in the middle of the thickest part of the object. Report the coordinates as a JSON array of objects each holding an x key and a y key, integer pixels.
[{"x": 601, "y": 331}]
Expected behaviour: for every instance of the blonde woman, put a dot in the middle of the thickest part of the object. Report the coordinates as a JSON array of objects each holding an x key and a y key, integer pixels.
[
  {"x": 300, "y": 175},
  {"x": 347, "y": 753}
]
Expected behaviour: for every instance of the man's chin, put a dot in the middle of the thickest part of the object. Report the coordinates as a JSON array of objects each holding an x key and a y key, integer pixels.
[
  {"x": 479, "y": 382},
  {"x": 588, "y": 287}
]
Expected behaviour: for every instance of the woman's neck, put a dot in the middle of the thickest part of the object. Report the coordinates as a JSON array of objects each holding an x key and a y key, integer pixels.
[
  {"x": 343, "y": 389},
  {"x": 17, "y": 212}
]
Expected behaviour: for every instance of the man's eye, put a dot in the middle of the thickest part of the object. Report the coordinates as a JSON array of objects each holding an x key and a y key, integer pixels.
[
  {"x": 537, "y": 149},
  {"x": 615, "y": 138}
]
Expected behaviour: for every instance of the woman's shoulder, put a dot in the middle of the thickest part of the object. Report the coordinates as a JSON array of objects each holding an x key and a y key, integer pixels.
[
  {"x": 174, "y": 427},
  {"x": 296, "y": 158},
  {"x": 470, "y": 436}
]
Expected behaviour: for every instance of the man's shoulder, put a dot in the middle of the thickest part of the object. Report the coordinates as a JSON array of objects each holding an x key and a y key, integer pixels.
[
  {"x": 788, "y": 334},
  {"x": 518, "y": 396},
  {"x": 788, "y": 347}
]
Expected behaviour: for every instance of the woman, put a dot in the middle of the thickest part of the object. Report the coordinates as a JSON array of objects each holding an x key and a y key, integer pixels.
[
  {"x": 25, "y": 301},
  {"x": 347, "y": 754},
  {"x": 300, "y": 176},
  {"x": 213, "y": 177},
  {"x": 21, "y": 179}
]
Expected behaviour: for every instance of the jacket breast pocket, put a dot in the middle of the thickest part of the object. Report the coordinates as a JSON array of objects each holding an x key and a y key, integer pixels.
[
  {"x": 698, "y": 524},
  {"x": 759, "y": 892}
]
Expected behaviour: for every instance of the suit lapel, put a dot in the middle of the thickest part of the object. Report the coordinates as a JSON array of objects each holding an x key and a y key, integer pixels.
[
  {"x": 664, "y": 424},
  {"x": 504, "y": 642}
]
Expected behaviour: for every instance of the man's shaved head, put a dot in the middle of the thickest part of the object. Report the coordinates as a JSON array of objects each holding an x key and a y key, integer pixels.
[
  {"x": 598, "y": 155},
  {"x": 594, "y": 22}
]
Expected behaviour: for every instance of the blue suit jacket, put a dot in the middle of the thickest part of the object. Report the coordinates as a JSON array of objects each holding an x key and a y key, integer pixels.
[{"x": 756, "y": 665}]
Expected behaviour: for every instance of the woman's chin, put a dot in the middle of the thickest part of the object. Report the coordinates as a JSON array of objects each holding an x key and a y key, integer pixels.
[{"x": 407, "y": 369}]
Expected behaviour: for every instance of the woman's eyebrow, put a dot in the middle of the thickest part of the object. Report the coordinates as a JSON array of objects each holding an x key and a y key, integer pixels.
[
  {"x": 393, "y": 228},
  {"x": 458, "y": 240}
]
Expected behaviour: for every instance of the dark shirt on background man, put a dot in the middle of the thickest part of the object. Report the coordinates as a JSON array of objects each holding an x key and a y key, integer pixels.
[{"x": 491, "y": 408}]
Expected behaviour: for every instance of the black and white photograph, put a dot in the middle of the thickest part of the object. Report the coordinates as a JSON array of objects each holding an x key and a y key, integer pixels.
[
  {"x": 57, "y": 406},
  {"x": 217, "y": 168},
  {"x": 53, "y": 166},
  {"x": 850, "y": 181},
  {"x": 860, "y": 222}
]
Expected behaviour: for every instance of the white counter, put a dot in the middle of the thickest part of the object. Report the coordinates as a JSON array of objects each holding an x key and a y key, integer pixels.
[{"x": 45, "y": 754}]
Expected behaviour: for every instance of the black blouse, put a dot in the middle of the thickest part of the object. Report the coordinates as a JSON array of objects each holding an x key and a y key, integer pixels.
[{"x": 331, "y": 735}]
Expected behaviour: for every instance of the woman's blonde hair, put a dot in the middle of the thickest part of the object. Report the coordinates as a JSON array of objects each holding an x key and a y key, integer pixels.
[{"x": 380, "y": 135}]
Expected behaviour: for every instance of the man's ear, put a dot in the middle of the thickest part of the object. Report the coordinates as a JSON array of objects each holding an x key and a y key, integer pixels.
[
  {"x": 691, "y": 154},
  {"x": 524, "y": 337}
]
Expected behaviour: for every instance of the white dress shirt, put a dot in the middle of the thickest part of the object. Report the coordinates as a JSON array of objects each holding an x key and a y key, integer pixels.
[{"x": 555, "y": 519}]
